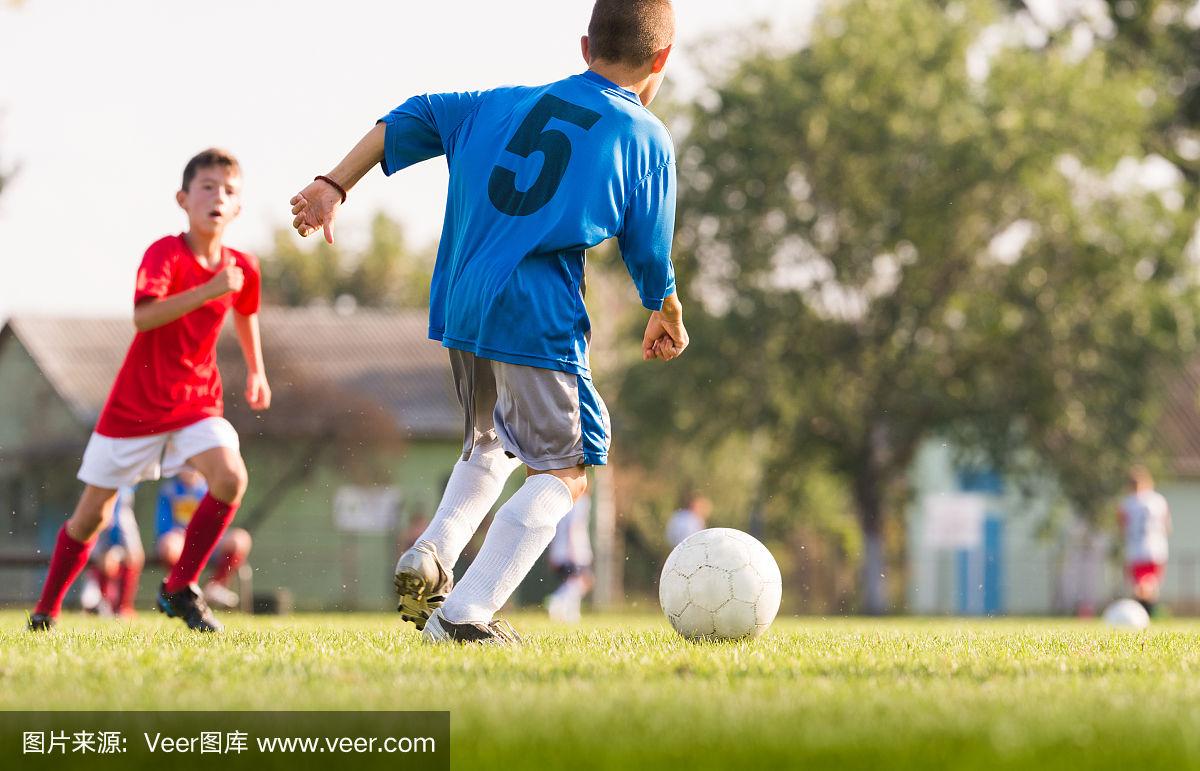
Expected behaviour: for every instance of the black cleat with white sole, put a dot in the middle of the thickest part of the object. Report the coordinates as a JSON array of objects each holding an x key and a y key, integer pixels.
[
  {"x": 188, "y": 604},
  {"x": 438, "y": 629}
]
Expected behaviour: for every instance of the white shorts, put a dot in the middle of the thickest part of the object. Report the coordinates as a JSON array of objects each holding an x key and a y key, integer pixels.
[
  {"x": 545, "y": 418},
  {"x": 113, "y": 463}
]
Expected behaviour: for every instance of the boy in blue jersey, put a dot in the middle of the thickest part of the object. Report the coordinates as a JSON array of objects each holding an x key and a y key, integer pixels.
[
  {"x": 178, "y": 499},
  {"x": 537, "y": 175}
]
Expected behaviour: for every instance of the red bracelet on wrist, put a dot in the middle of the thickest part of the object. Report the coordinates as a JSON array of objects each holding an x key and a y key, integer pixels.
[{"x": 341, "y": 190}]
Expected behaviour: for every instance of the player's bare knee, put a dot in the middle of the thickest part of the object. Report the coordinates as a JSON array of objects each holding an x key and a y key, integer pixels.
[
  {"x": 169, "y": 556},
  {"x": 170, "y": 546},
  {"x": 228, "y": 484},
  {"x": 577, "y": 481},
  {"x": 239, "y": 541},
  {"x": 110, "y": 564},
  {"x": 574, "y": 478},
  {"x": 135, "y": 559},
  {"x": 578, "y": 487}
]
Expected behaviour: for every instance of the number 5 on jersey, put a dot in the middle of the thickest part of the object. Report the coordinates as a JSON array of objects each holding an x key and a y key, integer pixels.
[{"x": 533, "y": 136}]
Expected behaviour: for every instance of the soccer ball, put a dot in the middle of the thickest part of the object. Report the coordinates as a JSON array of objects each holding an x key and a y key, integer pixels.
[
  {"x": 720, "y": 584},
  {"x": 1126, "y": 614}
]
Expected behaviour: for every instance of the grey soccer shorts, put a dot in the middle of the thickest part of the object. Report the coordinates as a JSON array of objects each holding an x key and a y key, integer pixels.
[{"x": 545, "y": 418}]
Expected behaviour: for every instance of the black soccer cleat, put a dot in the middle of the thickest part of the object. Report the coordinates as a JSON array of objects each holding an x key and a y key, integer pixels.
[
  {"x": 40, "y": 622},
  {"x": 188, "y": 604},
  {"x": 439, "y": 630}
]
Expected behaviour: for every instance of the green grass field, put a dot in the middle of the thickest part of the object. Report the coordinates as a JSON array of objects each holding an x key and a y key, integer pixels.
[{"x": 625, "y": 692}]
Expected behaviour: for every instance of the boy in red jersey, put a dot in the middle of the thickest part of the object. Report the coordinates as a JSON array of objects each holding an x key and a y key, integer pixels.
[{"x": 165, "y": 409}]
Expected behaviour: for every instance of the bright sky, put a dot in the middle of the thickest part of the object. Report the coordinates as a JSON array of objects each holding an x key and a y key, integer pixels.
[{"x": 101, "y": 104}]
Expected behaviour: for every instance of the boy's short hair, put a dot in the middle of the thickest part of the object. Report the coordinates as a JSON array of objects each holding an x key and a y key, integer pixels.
[
  {"x": 1140, "y": 475},
  {"x": 206, "y": 159},
  {"x": 630, "y": 31}
]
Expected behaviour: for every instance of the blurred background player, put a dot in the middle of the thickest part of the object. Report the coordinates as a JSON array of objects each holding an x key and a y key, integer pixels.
[
  {"x": 691, "y": 517},
  {"x": 571, "y": 559},
  {"x": 117, "y": 561},
  {"x": 165, "y": 409},
  {"x": 417, "y": 524},
  {"x": 178, "y": 499},
  {"x": 1145, "y": 522},
  {"x": 567, "y": 165}
]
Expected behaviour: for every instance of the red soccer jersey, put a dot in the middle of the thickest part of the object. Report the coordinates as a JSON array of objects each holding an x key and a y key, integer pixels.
[{"x": 169, "y": 379}]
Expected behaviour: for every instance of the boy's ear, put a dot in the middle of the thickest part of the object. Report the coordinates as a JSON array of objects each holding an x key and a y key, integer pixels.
[
  {"x": 660, "y": 59},
  {"x": 586, "y": 48},
  {"x": 180, "y": 197}
]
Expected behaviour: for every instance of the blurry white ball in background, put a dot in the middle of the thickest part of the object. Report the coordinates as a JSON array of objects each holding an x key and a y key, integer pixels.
[{"x": 1126, "y": 614}]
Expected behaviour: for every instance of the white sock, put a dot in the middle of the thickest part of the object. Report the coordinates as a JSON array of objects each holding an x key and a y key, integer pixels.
[
  {"x": 574, "y": 589},
  {"x": 474, "y": 486},
  {"x": 520, "y": 533},
  {"x": 571, "y": 589}
]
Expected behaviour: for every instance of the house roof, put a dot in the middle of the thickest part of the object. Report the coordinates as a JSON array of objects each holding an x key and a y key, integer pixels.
[{"x": 367, "y": 370}]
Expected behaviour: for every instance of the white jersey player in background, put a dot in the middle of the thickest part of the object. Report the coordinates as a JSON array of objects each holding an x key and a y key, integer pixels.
[
  {"x": 1145, "y": 523},
  {"x": 690, "y": 518},
  {"x": 571, "y": 558}
]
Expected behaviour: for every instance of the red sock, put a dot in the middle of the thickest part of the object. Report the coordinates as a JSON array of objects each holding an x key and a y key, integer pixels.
[
  {"x": 127, "y": 583},
  {"x": 229, "y": 562},
  {"x": 101, "y": 579},
  {"x": 69, "y": 559},
  {"x": 203, "y": 532},
  {"x": 109, "y": 586}
]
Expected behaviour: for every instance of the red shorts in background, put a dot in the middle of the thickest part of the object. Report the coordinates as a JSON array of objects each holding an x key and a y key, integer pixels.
[{"x": 1140, "y": 571}]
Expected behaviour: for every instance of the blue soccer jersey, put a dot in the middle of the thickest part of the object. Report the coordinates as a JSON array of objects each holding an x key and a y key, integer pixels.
[
  {"x": 538, "y": 175},
  {"x": 113, "y": 535},
  {"x": 177, "y": 502}
]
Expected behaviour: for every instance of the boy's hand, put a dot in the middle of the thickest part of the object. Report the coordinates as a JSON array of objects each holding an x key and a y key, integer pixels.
[
  {"x": 665, "y": 336},
  {"x": 228, "y": 279},
  {"x": 258, "y": 392},
  {"x": 315, "y": 207}
]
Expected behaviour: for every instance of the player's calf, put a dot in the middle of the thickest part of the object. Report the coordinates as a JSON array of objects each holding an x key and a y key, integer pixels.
[
  {"x": 71, "y": 551},
  {"x": 93, "y": 513}
]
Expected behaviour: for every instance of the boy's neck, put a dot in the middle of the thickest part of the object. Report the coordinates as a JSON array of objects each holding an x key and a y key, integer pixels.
[
  {"x": 634, "y": 79},
  {"x": 205, "y": 246}
]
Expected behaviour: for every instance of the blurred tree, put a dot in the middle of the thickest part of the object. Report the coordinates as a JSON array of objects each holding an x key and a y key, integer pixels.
[
  {"x": 1158, "y": 37},
  {"x": 385, "y": 274},
  {"x": 388, "y": 273},
  {"x": 882, "y": 240}
]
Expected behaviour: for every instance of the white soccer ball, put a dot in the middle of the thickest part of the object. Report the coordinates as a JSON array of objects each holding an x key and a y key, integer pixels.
[
  {"x": 720, "y": 584},
  {"x": 1126, "y": 614}
]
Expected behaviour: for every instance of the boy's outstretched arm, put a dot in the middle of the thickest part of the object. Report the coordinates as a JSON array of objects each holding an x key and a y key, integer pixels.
[
  {"x": 316, "y": 205},
  {"x": 258, "y": 391},
  {"x": 420, "y": 128}
]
